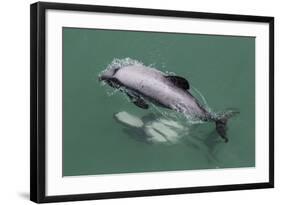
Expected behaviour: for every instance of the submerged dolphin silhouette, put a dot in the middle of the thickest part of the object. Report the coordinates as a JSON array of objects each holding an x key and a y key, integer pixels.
[{"x": 145, "y": 84}]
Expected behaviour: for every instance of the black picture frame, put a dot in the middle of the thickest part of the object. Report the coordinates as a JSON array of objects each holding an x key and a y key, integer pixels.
[{"x": 38, "y": 101}]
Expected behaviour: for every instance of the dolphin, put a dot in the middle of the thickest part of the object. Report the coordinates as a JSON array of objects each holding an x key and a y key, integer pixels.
[{"x": 144, "y": 84}]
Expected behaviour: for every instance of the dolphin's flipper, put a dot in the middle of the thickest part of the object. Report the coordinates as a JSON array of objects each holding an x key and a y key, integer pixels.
[
  {"x": 178, "y": 81},
  {"x": 138, "y": 101},
  {"x": 141, "y": 103}
]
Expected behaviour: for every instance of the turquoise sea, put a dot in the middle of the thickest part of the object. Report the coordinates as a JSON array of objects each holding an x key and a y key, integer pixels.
[{"x": 101, "y": 134}]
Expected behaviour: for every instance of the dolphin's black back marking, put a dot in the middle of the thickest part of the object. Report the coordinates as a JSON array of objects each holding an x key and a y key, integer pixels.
[{"x": 178, "y": 81}]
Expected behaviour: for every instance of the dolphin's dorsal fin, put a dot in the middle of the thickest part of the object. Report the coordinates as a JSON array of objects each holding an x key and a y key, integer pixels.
[
  {"x": 178, "y": 81},
  {"x": 138, "y": 101}
]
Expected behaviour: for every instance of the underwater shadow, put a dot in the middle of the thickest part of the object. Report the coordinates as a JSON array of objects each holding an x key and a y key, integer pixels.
[{"x": 154, "y": 129}]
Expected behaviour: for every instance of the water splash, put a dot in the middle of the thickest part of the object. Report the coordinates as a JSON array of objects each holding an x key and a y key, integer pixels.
[{"x": 119, "y": 63}]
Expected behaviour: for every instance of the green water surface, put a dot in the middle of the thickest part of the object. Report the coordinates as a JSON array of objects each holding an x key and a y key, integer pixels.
[{"x": 222, "y": 68}]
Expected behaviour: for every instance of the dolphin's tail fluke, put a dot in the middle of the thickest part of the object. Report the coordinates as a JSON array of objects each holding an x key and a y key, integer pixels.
[{"x": 221, "y": 122}]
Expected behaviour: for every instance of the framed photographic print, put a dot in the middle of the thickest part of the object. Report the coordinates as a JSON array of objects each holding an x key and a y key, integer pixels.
[{"x": 129, "y": 102}]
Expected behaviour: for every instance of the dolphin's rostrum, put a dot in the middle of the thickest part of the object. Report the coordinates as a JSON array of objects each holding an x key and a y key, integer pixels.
[{"x": 144, "y": 84}]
